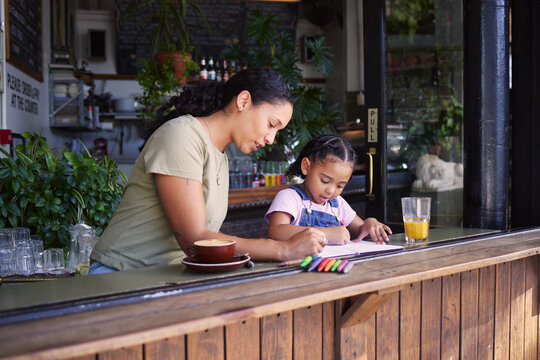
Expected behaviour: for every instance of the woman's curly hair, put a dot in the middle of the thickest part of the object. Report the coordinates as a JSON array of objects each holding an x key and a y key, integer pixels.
[{"x": 265, "y": 85}]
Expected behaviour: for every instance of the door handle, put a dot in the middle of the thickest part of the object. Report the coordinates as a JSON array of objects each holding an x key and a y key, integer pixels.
[{"x": 370, "y": 154}]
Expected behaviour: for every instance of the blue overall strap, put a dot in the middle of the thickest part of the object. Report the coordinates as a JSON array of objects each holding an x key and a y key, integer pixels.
[{"x": 304, "y": 196}]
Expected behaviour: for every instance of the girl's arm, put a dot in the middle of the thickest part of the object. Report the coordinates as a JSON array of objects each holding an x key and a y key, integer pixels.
[
  {"x": 361, "y": 228},
  {"x": 183, "y": 203},
  {"x": 280, "y": 228}
]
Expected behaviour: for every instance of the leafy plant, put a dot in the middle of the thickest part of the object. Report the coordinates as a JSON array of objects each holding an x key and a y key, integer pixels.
[
  {"x": 157, "y": 82},
  {"x": 167, "y": 18},
  {"x": 267, "y": 47},
  {"x": 47, "y": 192},
  {"x": 426, "y": 134}
]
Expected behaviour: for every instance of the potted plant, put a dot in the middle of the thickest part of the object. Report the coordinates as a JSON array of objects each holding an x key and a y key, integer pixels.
[
  {"x": 312, "y": 115},
  {"x": 169, "y": 32},
  {"x": 48, "y": 191},
  {"x": 439, "y": 132}
]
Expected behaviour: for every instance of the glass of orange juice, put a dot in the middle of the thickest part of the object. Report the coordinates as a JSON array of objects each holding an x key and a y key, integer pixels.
[{"x": 416, "y": 215}]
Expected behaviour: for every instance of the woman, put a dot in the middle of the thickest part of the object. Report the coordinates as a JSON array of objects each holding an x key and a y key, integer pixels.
[{"x": 178, "y": 189}]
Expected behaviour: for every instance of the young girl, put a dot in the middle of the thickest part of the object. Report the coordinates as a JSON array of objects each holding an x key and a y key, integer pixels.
[{"x": 326, "y": 164}]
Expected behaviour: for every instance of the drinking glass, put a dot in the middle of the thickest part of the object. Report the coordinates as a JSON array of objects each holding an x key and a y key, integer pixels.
[
  {"x": 25, "y": 258},
  {"x": 53, "y": 261},
  {"x": 7, "y": 261},
  {"x": 416, "y": 216},
  {"x": 37, "y": 248}
]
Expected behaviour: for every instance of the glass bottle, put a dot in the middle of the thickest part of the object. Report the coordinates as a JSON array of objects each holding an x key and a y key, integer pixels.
[
  {"x": 211, "y": 69},
  {"x": 225, "y": 74},
  {"x": 203, "y": 73}
]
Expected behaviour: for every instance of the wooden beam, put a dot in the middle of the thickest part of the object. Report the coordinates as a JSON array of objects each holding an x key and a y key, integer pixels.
[{"x": 363, "y": 308}]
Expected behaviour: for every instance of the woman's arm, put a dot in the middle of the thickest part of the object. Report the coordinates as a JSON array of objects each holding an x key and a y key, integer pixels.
[
  {"x": 183, "y": 203},
  {"x": 280, "y": 228}
]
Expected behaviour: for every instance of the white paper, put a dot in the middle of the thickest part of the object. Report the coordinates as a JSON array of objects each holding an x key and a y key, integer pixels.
[{"x": 356, "y": 248}]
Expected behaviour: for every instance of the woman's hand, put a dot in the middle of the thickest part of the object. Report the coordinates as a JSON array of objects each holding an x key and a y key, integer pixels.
[
  {"x": 309, "y": 241},
  {"x": 376, "y": 230}
]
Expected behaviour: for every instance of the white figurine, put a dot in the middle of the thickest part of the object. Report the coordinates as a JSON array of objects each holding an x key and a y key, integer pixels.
[{"x": 434, "y": 174}]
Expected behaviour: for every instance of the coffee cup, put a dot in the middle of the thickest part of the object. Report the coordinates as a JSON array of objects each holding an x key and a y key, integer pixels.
[{"x": 211, "y": 251}]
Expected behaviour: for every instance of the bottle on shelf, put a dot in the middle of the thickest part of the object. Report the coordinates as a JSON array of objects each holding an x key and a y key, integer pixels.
[
  {"x": 219, "y": 77},
  {"x": 232, "y": 69},
  {"x": 203, "y": 73},
  {"x": 225, "y": 74},
  {"x": 211, "y": 69},
  {"x": 262, "y": 179},
  {"x": 255, "y": 177}
]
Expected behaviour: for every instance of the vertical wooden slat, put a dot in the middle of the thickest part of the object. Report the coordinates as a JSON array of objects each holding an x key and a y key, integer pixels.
[
  {"x": 430, "y": 341},
  {"x": 206, "y": 344},
  {"x": 469, "y": 314},
  {"x": 502, "y": 311},
  {"x": 517, "y": 309},
  {"x": 276, "y": 336},
  {"x": 486, "y": 312},
  {"x": 370, "y": 338},
  {"x": 387, "y": 320},
  {"x": 409, "y": 332},
  {"x": 352, "y": 340},
  {"x": 238, "y": 336},
  {"x": 307, "y": 332},
  {"x": 127, "y": 353},
  {"x": 328, "y": 330},
  {"x": 531, "y": 308},
  {"x": 450, "y": 319},
  {"x": 173, "y": 348}
]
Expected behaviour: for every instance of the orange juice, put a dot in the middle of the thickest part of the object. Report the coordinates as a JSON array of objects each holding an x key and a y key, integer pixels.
[{"x": 416, "y": 228}]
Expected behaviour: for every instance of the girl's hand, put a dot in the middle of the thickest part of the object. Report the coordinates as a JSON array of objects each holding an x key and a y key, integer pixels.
[
  {"x": 376, "y": 230},
  {"x": 337, "y": 235},
  {"x": 309, "y": 241}
]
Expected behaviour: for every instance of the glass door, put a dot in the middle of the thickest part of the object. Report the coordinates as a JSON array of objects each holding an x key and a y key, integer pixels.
[{"x": 418, "y": 104}]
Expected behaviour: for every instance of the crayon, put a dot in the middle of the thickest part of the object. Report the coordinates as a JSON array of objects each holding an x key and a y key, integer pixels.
[
  {"x": 342, "y": 265},
  {"x": 329, "y": 264},
  {"x": 348, "y": 267},
  {"x": 336, "y": 264},
  {"x": 323, "y": 264},
  {"x": 306, "y": 261},
  {"x": 314, "y": 264}
]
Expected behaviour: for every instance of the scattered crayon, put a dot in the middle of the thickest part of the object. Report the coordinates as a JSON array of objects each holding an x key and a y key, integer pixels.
[
  {"x": 336, "y": 264},
  {"x": 329, "y": 264},
  {"x": 306, "y": 261},
  {"x": 348, "y": 267},
  {"x": 323, "y": 264},
  {"x": 342, "y": 265},
  {"x": 314, "y": 264}
]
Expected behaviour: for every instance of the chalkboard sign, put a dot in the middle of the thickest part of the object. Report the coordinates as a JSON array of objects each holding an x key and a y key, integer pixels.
[
  {"x": 24, "y": 36},
  {"x": 228, "y": 18}
]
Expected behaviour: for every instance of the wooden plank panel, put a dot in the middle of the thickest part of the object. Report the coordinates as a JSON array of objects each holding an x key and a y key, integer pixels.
[
  {"x": 486, "y": 312},
  {"x": 277, "y": 336},
  {"x": 173, "y": 348},
  {"x": 450, "y": 320},
  {"x": 431, "y": 319},
  {"x": 531, "y": 308},
  {"x": 370, "y": 338},
  {"x": 307, "y": 332},
  {"x": 409, "y": 332},
  {"x": 517, "y": 309},
  {"x": 387, "y": 320},
  {"x": 352, "y": 340},
  {"x": 87, "y": 357},
  {"x": 206, "y": 344},
  {"x": 328, "y": 330},
  {"x": 242, "y": 340},
  {"x": 125, "y": 353},
  {"x": 469, "y": 314},
  {"x": 502, "y": 312}
]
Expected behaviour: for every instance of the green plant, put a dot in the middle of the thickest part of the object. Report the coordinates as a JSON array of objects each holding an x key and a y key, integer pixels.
[
  {"x": 167, "y": 20},
  {"x": 47, "y": 192},
  {"x": 157, "y": 82},
  {"x": 438, "y": 126},
  {"x": 312, "y": 115}
]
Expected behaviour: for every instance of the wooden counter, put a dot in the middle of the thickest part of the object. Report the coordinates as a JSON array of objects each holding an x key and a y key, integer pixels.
[{"x": 466, "y": 299}]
